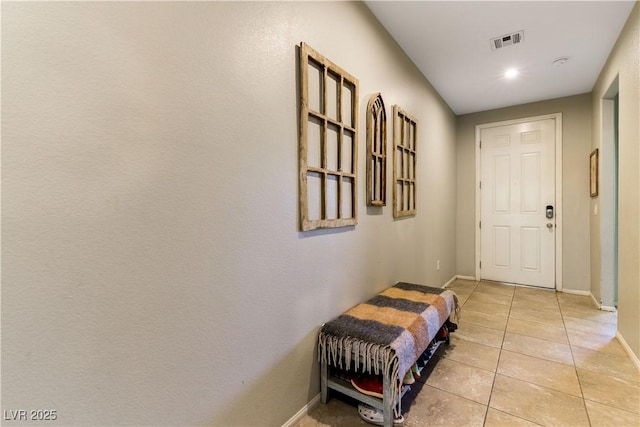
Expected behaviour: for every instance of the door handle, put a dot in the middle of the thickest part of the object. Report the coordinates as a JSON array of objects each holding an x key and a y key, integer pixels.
[{"x": 549, "y": 225}]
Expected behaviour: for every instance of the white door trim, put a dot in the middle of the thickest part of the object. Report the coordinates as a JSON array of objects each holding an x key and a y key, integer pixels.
[{"x": 558, "y": 180}]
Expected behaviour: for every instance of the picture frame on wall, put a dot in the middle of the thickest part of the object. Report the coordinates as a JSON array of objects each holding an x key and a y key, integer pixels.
[{"x": 593, "y": 173}]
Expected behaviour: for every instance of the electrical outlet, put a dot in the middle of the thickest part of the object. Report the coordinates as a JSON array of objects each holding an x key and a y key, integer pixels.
[{"x": 438, "y": 265}]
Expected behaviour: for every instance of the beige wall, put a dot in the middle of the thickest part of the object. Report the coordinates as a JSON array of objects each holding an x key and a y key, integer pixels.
[
  {"x": 576, "y": 134},
  {"x": 623, "y": 64},
  {"x": 153, "y": 273}
]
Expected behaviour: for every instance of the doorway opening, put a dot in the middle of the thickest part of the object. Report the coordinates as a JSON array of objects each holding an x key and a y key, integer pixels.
[{"x": 608, "y": 200}]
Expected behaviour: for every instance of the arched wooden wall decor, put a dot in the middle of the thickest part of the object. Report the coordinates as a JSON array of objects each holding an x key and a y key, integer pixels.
[
  {"x": 328, "y": 143},
  {"x": 376, "y": 152},
  {"x": 404, "y": 163}
]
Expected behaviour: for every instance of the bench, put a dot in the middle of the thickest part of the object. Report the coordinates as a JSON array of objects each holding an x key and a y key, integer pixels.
[{"x": 385, "y": 336}]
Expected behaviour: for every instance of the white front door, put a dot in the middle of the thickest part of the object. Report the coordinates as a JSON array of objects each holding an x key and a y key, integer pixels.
[{"x": 517, "y": 238}]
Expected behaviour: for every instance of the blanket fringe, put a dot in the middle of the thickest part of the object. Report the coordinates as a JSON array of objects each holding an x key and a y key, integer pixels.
[
  {"x": 366, "y": 357},
  {"x": 457, "y": 309}
]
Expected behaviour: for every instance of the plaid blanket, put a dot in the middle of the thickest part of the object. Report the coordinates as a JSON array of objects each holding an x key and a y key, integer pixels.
[{"x": 388, "y": 333}]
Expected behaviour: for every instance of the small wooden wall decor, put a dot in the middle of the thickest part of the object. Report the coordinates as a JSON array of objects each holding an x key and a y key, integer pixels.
[
  {"x": 404, "y": 163},
  {"x": 376, "y": 152},
  {"x": 328, "y": 143},
  {"x": 593, "y": 173}
]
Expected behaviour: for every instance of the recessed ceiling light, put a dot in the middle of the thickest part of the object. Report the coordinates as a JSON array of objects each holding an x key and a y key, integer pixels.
[{"x": 511, "y": 73}]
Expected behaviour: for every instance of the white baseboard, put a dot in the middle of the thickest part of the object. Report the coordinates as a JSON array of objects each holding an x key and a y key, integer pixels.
[
  {"x": 600, "y": 306},
  {"x": 456, "y": 277},
  {"x": 576, "y": 292},
  {"x": 595, "y": 301},
  {"x": 303, "y": 412},
  {"x": 450, "y": 281},
  {"x": 471, "y": 278},
  {"x": 630, "y": 352}
]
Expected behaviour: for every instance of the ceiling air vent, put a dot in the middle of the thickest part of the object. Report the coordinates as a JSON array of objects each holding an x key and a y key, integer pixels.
[{"x": 507, "y": 40}]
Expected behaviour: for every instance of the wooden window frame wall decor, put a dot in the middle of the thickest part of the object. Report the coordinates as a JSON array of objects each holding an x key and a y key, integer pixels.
[
  {"x": 376, "y": 151},
  {"x": 404, "y": 163},
  {"x": 328, "y": 143}
]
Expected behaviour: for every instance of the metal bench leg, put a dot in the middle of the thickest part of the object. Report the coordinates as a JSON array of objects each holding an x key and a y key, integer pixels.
[
  {"x": 324, "y": 378},
  {"x": 387, "y": 401}
]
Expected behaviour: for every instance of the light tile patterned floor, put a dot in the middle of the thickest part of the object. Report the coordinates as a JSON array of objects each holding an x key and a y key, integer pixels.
[{"x": 521, "y": 357}]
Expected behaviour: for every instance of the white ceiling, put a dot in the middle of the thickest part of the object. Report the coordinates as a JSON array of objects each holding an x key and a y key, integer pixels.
[{"x": 449, "y": 42}]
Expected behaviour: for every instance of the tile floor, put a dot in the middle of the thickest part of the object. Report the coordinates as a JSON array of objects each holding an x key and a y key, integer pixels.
[{"x": 520, "y": 357}]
